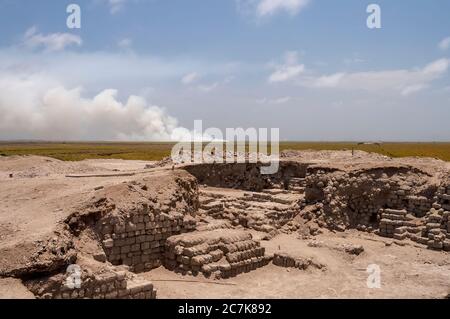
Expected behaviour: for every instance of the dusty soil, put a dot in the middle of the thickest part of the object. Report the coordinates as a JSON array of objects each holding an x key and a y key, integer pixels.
[{"x": 39, "y": 194}]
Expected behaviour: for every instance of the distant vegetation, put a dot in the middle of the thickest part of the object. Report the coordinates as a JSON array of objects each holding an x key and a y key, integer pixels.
[{"x": 157, "y": 151}]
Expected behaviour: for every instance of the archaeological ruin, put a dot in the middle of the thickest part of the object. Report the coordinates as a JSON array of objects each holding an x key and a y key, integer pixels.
[{"x": 80, "y": 230}]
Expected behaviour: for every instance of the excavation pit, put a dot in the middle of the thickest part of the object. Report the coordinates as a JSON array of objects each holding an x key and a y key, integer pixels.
[{"x": 218, "y": 222}]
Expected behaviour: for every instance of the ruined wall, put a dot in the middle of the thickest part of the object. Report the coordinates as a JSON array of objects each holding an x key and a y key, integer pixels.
[
  {"x": 438, "y": 219},
  {"x": 133, "y": 219},
  {"x": 108, "y": 283},
  {"x": 260, "y": 211},
  {"x": 354, "y": 199},
  {"x": 135, "y": 232},
  {"x": 398, "y": 224},
  {"x": 247, "y": 176},
  {"x": 218, "y": 253},
  {"x": 139, "y": 241},
  {"x": 285, "y": 260}
]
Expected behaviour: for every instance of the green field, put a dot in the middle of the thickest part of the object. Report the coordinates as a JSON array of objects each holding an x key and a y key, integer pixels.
[{"x": 157, "y": 151}]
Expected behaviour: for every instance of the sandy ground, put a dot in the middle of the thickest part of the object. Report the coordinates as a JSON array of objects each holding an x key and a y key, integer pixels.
[
  {"x": 406, "y": 272},
  {"x": 11, "y": 288},
  {"x": 39, "y": 194}
]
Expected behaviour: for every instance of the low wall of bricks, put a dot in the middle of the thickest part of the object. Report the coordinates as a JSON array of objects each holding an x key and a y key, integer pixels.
[
  {"x": 285, "y": 260},
  {"x": 398, "y": 224},
  {"x": 218, "y": 253},
  {"x": 438, "y": 220},
  {"x": 138, "y": 240},
  {"x": 104, "y": 285}
]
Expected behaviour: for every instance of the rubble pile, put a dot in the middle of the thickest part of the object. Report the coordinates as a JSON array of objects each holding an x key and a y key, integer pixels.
[
  {"x": 285, "y": 260},
  {"x": 218, "y": 253}
]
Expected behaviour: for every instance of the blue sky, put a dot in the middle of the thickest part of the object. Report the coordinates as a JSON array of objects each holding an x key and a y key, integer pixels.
[{"x": 311, "y": 68}]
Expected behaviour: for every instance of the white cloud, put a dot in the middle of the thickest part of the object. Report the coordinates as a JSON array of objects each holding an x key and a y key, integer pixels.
[
  {"x": 125, "y": 43},
  {"x": 50, "y": 42},
  {"x": 403, "y": 80},
  {"x": 280, "y": 100},
  {"x": 116, "y": 5},
  {"x": 270, "y": 7},
  {"x": 37, "y": 107},
  {"x": 289, "y": 70},
  {"x": 208, "y": 87},
  {"x": 413, "y": 89},
  {"x": 436, "y": 68},
  {"x": 329, "y": 80},
  {"x": 190, "y": 78},
  {"x": 444, "y": 44},
  {"x": 353, "y": 60}
]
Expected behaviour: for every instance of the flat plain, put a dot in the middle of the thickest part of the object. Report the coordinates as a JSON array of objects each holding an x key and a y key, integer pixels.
[{"x": 154, "y": 151}]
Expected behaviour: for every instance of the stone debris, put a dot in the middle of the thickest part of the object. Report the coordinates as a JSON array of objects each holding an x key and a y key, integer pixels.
[
  {"x": 285, "y": 260},
  {"x": 353, "y": 249}
]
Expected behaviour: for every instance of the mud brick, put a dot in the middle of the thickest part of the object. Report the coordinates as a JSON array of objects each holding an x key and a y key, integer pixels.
[
  {"x": 122, "y": 284},
  {"x": 136, "y": 260},
  {"x": 154, "y": 244},
  {"x": 139, "y": 268},
  {"x": 130, "y": 227},
  {"x": 119, "y": 228},
  {"x": 127, "y": 261},
  {"x": 125, "y": 249},
  {"x": 148, "y": 265},
  {"x": 116, "y": 250},
  {"x": 185, "y": 260},
  {"x": 103, "y": 288},
  {"x": 145, "y": 258},
  {"x": 108, "y": 243},
  {"x": 113, "y": 257},
  {"x": 216, "y": 255},
  {"x": 148, "y": 295},
  {"x": 400, "y": 236},
  {"x": 111, "y": 286},
  {"x": 400, "y": 230},
  {"x": 107, "y": 229},
  {"x": 119, "y": 242},
  {"x": 123, "y": 293},
  {"x": 165, "y": 236},
  {"x": 135, "y": 247}
]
